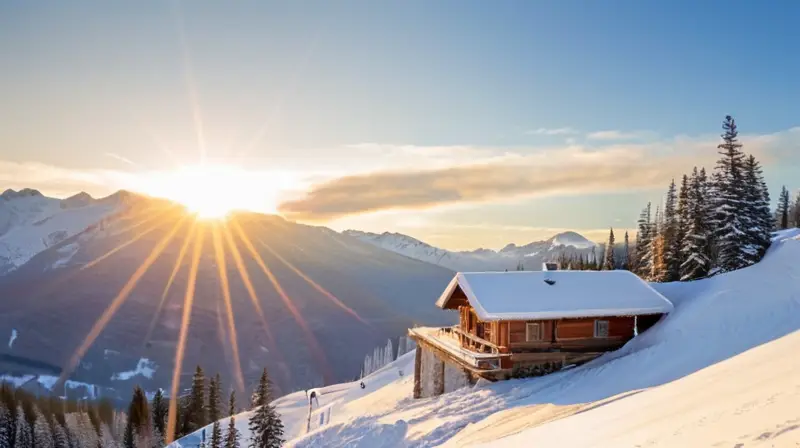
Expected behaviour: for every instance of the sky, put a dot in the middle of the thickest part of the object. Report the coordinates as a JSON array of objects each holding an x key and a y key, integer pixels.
[{"x": 463, "y": 123}]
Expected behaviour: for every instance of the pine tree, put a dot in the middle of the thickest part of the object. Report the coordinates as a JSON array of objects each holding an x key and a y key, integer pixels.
[
  {"x": 758, "y": 217},
  {"x": 783, "y": 209},
  {"x": 682, "y": 221},
  {"x": 159, "y": 411},
  {"x": 266, "y": 427},
  {"x": 23, "y": 436},
  {"x": 197, "y": 415},
  {"x": 157, "y": 440},
  {"x": 593, "y": 260},
  {"x": 729, "y": 190},
  {"x": 60, "y": 439},
  {"x": 795, "y": 215},
  {"x": 232, "y": 436},
  {"x": 214, "y": 402},
  {"x": 608, "y": 263},
  {"x": 6, "y": 423},
  {"x": 644, "y": 244},
  {"x": 626, "y": 253},
  {"x": 401, "y": 346},
  {"x": 388, "y": 353},
  {"x": 42, "y": 434},
  {"x": 696, "y": 249},
  {"x": 129, "y": 438},
  {"x": 139, "y": 416},
  {"x": 670, "y": 235}
]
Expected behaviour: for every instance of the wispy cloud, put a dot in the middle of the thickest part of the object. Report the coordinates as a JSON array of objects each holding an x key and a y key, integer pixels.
[
  {"x": 121, "y": 158},
  {"x": 554, "y": 171},
  {"x": 552, "y": 131},
  {"x": 617, "y": 135}
]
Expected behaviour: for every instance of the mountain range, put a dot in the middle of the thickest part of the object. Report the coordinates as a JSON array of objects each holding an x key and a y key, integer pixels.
[
  {"x": 325, "y": 299},
  {"x": 529, "y": 256}
]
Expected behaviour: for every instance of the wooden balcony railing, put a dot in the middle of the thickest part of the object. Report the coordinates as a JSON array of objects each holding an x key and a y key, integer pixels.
[{"x": 473, "y": 342}]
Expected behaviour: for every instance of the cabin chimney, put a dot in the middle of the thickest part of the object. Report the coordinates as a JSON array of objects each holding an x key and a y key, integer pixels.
[{"x": 548, "y": 267}]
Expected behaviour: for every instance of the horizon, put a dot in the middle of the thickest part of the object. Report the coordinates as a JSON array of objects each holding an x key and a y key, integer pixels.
[{"x": 487, "y": 125}]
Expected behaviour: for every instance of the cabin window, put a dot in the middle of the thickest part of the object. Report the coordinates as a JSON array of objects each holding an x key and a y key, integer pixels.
[
  {"x": 534, "y": 332},
  {"x": 601, "y": 328}
]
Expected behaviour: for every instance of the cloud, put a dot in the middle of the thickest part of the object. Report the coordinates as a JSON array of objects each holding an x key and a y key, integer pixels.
[
  {"x": 616, "y": 135},
  {"x": 500, "y": 176},
  {"x": 563, "y": 171},
  {"x": 552, "y": 131}
]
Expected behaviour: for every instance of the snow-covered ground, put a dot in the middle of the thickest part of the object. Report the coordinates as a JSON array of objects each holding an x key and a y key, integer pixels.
[
  {"x": 721, "y": 370},
  {"x": 12, "y": 338},
  {"x": 144, "y": 367},
  {"x": 530, "y": 255}
]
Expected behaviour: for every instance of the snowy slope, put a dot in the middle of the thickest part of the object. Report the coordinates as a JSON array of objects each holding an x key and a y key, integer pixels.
[
  {"x": 530, "y": 255},
  {"x": 332, "y": 401},
  {"x": 682, "y": 379},
  {"x": 749, "y": 400},
  {"x": 31, "y": 222}
]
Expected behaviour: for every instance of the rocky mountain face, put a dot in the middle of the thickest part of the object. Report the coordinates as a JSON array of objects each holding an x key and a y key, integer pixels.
[
  {"x": 529, "y": 256},
  {"x": 325, "y": 299}
]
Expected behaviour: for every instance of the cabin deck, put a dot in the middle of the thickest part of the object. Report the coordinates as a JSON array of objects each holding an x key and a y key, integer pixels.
[{"x": 483, "y": 359}]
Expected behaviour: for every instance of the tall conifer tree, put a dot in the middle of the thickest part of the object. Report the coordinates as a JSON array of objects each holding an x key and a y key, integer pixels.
[
  {"x": 232, "y": 437},
  {"x": 608, "y": 263},
  {"x": 266, "y": 428},
  {"x": 783, "y": 209},
  {"x": 730, "y": 217}
]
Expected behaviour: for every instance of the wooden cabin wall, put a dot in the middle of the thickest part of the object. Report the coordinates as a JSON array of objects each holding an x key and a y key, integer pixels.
[{"x": 570, "y": 329}]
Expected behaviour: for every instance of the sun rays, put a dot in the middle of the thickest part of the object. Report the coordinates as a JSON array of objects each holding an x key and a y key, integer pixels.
[
  {"x": 231, "y": 249},
  {"x": 208, "y": 191}
]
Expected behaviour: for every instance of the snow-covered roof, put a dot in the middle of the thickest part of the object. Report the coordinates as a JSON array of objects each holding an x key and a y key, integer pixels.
[{"x": 525, "y": 295}]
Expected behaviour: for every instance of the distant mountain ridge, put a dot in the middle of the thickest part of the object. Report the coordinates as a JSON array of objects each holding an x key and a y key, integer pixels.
[
  {"x": 530, "y": 255},
  {"x": 31, "y": 222}
]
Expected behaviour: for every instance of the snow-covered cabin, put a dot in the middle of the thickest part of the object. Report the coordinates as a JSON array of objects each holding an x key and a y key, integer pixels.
[{"x": 535, "y": 322}]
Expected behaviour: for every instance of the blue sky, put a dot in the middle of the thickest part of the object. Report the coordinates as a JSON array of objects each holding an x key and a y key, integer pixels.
[{"x": 316, "y": 91}]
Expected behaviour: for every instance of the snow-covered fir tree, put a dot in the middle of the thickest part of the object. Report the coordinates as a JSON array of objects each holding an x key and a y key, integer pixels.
[
  {"x": 730, "y": 193},
  {"x": 42, "y": 434},
  {"x": 60, "y": 439},
  {"x": 23, "y": 437},
  {"x": 266, "y": 428},
  {"x": 644, "y": 244},
  {"x": 6, "y": 426},
  {"x": 159, "y": 410},
  {"x": 682, "y": 220},
  {"x": 782, "y": 211},
  {"x": 196, "y": 417},
  {"x": 626, "y": 253},
  {"x": 388, "y": 353},
  {"x": 214, "y": 404},
  {"x": 696, "y": 250},
  {"x": 232, "y": 436},
  {"x": 759, "y": 219},
  {"x": 671, "y": 238},
  {"x": 608, "y": 262},
  {"x": 795, "y": 212},
  {"x": 139, "y": 418},
  {"x": 401, "y": 346}
]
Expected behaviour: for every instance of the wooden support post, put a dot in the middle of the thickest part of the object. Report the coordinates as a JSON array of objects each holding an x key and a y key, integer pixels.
[
  {"x": 438, "y": 379},
  {"x": 418, "y": 372}
]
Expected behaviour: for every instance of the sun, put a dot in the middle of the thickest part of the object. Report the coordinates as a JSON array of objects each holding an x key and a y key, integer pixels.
[{"x": 212, "y": 191}]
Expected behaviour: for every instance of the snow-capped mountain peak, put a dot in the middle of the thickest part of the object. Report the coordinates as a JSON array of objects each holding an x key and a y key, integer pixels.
[
  {"x": 573, "y": 239},
  {"x": 529, "y": 256}
]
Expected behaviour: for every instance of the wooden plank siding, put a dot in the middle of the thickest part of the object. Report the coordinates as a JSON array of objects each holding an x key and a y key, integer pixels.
[{"x": 557, "y": 334}]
